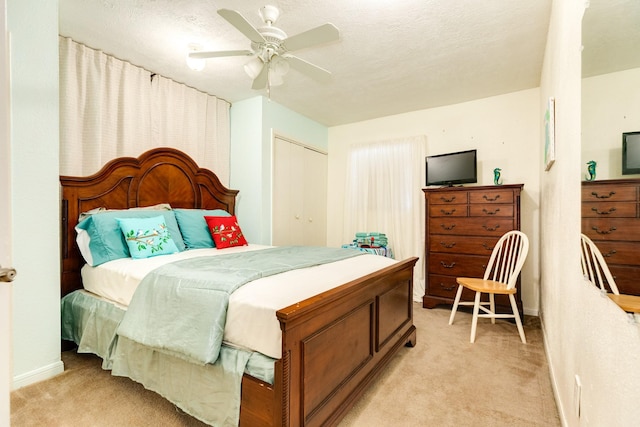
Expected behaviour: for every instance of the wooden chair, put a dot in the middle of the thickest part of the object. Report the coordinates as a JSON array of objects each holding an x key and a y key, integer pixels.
[
  {"x": 500, "y": 277},
  {"x": 594, "y": 267}
]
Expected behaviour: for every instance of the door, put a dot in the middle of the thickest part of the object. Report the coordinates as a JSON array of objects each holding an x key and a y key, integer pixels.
[
  {"x": 299, "y": 198},
  {"x": 5, "y": 223}
]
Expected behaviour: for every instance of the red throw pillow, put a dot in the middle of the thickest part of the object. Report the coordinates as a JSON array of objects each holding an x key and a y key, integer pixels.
[{"x": 225, "y": 231}]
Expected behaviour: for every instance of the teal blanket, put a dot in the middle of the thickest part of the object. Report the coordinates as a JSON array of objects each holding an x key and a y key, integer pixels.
[{"x": 181, "y": 307}]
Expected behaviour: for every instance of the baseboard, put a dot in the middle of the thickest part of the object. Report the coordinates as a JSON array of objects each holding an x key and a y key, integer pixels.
[
  {"x": 37, "y": 375},
  {"x": 552, "y": 375},
  {"x": 530, "y": 312}
]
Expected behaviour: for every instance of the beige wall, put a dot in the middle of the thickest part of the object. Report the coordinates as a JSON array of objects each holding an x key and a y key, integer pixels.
[
  {"x": 610, "y": 106},
  {"x": 504, "y": 129},
  {"x": 585, "y": 333}
]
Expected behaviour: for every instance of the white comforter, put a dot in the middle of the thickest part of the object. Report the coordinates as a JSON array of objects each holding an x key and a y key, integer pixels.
[{"x": 251, "y": 320}]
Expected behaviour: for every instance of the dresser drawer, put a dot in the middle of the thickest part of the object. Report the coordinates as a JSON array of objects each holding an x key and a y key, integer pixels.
[
  {"x": 448, "y": 198},
  {"x": 491, "y": 196},
  {"x": 611, "y": 193},
  {"x": 447, "y": 210},
  {"x": 626, "y": 278},
  {"x": 457, "y": 265},
  {"x": 491, "y": 211},
  {"x": 609, "y": 209},
  {"x": 611, "y": 229},
  {"x": 471, "y": 226},
  {"x": 446, "y": 286},
  {"x": 462, "y": 244},
  {"x": 616, "y": 252}
]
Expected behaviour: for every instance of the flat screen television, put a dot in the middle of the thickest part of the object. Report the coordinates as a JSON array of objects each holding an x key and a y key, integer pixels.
[
  {"x": 452, "y": 168},
  {"x": 630, "y": 153}
]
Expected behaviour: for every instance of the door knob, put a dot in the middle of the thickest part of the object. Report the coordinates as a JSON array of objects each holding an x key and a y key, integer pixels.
[{"x": 7, "y": 274}]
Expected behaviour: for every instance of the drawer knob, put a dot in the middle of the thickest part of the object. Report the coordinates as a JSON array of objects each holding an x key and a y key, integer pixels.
[
  {"x": 487, "y": 247},
  {"x": 447, "y": 227},
  {"x": 602, "y": 196},
  {"x": 448, "y": 245},
  {"x": 489, "y": 199},
  {"x": 609, "y": 231},
  {"x": 488, "y": 228},
  {"x": 447, "y": 212},
  {"x": 612, "y": 252},
  {"x": 444, "y": 199},
  {"x": 447, "y": 288},
  {"x": 611, "y": 210},
  {"x": 491, "y": 212},
  {"x": 445, "y": 265}
]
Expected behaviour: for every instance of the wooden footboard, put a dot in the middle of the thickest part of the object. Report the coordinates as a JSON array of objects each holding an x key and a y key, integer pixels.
[{"x": 333, "y": 346}]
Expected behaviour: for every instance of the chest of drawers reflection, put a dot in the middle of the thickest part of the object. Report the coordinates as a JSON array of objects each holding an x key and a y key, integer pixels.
[{"x": 611, "y": 218}]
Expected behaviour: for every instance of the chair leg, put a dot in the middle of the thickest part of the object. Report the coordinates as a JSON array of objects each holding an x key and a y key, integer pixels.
[
  {"x": 455, "y": 304},
  {"x": 516, "y": 313},
  {"x": 474, "y": 321},
  {"x": 492, "y": 307}
]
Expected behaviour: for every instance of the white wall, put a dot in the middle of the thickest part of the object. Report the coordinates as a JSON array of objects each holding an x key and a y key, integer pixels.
[
  {"x": 253, "y": 123},
  {"x": 585, "y": 333},
  {"x": 610, "y": 106},
  {"x": 506, "y": 131},
  {"x": 35, "y": 189}
]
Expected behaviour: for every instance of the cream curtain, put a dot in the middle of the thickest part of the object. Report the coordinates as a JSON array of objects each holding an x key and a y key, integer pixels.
[
  {"x": 110, "y": 108},
  {"x": 384, "y": 194}
]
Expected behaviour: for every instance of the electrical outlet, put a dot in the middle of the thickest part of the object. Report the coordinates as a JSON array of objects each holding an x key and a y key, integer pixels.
[{"x": 577, "y": 391}]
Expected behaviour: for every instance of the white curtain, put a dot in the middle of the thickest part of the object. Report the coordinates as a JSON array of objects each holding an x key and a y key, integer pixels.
[
  {"x": 384, "y": 194},
  {"x": 110, "y": 108}
]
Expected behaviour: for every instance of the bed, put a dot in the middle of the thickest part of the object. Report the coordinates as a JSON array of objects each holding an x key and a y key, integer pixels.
[{"x": 314, "y": 381}]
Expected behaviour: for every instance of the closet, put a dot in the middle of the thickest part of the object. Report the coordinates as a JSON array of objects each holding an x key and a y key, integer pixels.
[{"x": 299, "y": 201}]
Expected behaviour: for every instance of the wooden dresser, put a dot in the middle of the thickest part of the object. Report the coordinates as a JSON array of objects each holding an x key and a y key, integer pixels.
[
  {"x": 462, "y": 226},
  {"x": 611, "y": 218}
]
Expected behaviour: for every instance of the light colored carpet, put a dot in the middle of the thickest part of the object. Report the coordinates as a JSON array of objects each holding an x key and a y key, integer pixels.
[{"x": 443, "y": 381}]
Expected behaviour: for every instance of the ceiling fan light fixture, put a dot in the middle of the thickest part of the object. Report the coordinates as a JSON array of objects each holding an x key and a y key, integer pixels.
[
  {"x": 196, "y": 64},
  {"x": 275, "y": 79},
  {"x": 253, "y": 67},
  {"x": 279, "y": 66}
]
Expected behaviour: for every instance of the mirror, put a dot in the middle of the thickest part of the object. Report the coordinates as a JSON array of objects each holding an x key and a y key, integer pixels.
[
  {"x": 610, "y": 108},
  {"x": 611, "y": 77}
]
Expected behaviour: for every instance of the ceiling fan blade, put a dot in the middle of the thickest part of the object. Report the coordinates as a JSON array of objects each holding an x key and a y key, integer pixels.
[
  {"x": 239, "y": 21},
  {"x": 260, "y": 82},
  {"x": 308, "y": 68},
  {"x": 322, "y": 34},
  {"x": 219, "y": 54}
]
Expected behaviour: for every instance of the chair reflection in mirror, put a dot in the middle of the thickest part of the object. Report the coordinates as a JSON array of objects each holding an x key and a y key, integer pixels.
[
  {"x": 594, "y": 267},
  {"x": 500, "y": 277}
]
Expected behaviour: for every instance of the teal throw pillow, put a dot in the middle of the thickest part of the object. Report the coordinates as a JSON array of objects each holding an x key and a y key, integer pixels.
[
  {"x": 102, "y": 239},
  {"x": 193, "y": 226},
  {"x": 147, "y": 237}
]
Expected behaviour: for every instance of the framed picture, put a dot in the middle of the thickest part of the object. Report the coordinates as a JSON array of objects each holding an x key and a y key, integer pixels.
[{"x": 550, "y": 134}]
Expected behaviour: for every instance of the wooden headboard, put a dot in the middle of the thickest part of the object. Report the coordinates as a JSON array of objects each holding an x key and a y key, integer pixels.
[{"x": 161, "y": 175}]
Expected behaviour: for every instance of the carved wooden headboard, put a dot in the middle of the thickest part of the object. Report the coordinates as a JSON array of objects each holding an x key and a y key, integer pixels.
[{"x": 161, "y": 175}]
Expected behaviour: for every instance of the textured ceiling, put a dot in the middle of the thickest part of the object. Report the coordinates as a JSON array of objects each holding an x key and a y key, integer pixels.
[{"x": 393, "y": 56}]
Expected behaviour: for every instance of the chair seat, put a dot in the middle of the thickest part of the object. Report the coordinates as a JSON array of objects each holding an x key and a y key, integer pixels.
[{"x": 485, "y": 286}]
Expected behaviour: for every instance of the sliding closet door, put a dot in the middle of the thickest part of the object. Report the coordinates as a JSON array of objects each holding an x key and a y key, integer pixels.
[
  {"x": 299, "y": 195},
  {"x": 315, "y": 198}
]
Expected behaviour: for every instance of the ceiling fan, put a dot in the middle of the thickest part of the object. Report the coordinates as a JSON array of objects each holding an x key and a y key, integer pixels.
[{"x": 271, "y": 47}]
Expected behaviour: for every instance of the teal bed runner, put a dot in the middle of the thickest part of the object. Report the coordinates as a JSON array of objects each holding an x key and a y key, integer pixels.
[{"x": 181, "y": 307}]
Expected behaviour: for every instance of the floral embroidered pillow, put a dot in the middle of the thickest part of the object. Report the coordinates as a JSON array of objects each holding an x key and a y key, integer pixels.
[
  {"x": 225, "y": 231},
  {"x": 147, "y": 237}
]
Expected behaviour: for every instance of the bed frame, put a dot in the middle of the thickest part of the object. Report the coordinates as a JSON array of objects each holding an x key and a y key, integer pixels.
[{"x": 333, "y": 344}]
